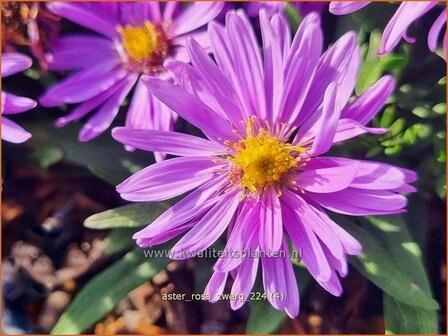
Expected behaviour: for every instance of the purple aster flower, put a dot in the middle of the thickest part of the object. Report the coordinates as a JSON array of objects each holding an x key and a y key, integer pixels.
[
  {"x": 261, "y": 173},
  {"x": 134, "y": 38},
  {"x": 13, "y": 63},
  {"x": 396, "y": 29}
]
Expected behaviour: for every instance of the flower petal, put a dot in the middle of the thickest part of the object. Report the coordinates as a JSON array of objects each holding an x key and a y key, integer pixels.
[
  {"x": 215, "y": 286},
  {"x": 327, "y": 124},
  {"x": 215, "y": 82},
  {"x": 208, "y": 229},
  {"x": 191, "y": 109},
  {"x": 196, "y": 15},
  {"x": 396, "y": 29},
  {"x": 246, "y": 63},
  {"x": 12, "y": 132},
  {"x": 87, "y": 17},
  {"x": 241, "y": 236},
  {"x": 366, "y": 106},
  {"x": 79, "y": 51},
  {"x": 15, "y": 104},
  {"x": 167, "y": 142},
  {"x": 271, "y": 228},
  {"x": 304, "y": 238},
  {"x": 436, "y": 28},
  {"x": 300, "y": 65},
  {"x": 346, "y": 7},
  {"x": 181, "y": 214},
  {"x": 89, "y": 105},
  {"x": 168, "y": 179},
  {"x": 14, "y": 62},
  {"x": 348, "y": 129},
  {"x": 244, "y": 281},
  {"x": 273, "y": 69},
  {"x": 83, "y": 85},
  {"x": 361, "y": 202},
  {"x": 327, "y": 180},
  {"x": 103, "y": 118}
]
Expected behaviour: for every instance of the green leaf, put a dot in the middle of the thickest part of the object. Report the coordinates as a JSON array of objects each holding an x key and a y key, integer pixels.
[
  {"x": 128, "y": 216},
  {"x": 378, "y": 265},
  {"x": 401, "y": 318},
  {"x": 101, "y": 294},
  {"x": 264, "y": 319},
  {"x": 118, "y": 240}
]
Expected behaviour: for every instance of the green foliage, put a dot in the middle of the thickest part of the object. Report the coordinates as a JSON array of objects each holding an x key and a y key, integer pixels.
[
  {"x": 393, "y": 262},
  {"x": 101, "y": 294},
  {"x": 128, "y": 216}
]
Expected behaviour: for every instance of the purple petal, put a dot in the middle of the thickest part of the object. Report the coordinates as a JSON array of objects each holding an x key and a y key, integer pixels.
[
  {"x": 349, "y": 244},
  {"x": 436, "y": 28},
  {"x": 280, "y": 283},
  {"x": 309, "y": 219},
  {"x": 171, "y": 8},
  {"x": 346, "y": 7},
  {"x": 370, "y": 175},
  {"x": 396, "y": 29},
  {"x": 300, "y": 65},
  {"x": 244, "y": 232},
  {"x": 80, "y": 51},
  {"x": 271, "y": 229},
  {"x": 282, "y": 32},
  {"x": 84, "y": 16},
  {"x": 103, "y": 118},
  {"x": 325, "y": 180},
  {"x": 244, "y": 281},
  {"x": 215, "y": 286},
  {"x": 84, "y": 108},
  {"x": 167, "y": 142},
  {"x": 147, "y": 112},
  {"x": 12, "y": 132},
  {"x": 191, "y": 109},
  {"x": 366, "y": 106},
  {"x": 335, "y": 63},
  {"x": 246, "y": 63},
  {"x": 327, "y": 124},
  {"x": 180, "y": 215},
  {"x": 273, "y": 69},
  {"x": 348, "y": 129},
  {"x": 209, "y": 228},
  {"x": 196, "y": 15},
  {"x": 83, "y": 85},
  {"x": 360, "y": 202},
  {"x": 14, "y": 62},
  {"x": 304, "y": 238},
  {"x": 218, "y": 85},
  {"x": 14, "y": 104},
  {"x": 168, "y": 179}
]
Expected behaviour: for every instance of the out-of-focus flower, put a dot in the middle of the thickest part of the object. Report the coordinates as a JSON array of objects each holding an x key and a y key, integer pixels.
[
  {"x": 137, "y": 38},
  {"x": 274, "y": 7},
  {"x": 13, "y": 63},
  {"x": 396, "y": 29},
  {"x": 261, "y": 173},
  {"x": 30, "y": 24}
]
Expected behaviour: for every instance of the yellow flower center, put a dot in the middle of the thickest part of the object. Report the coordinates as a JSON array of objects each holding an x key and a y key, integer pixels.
[
  {"x": 146, "y": 46},
  {"x": 262, "y": 160}
]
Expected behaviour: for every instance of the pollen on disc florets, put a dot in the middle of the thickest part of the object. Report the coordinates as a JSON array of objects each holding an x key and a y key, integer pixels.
[
  {"x": 262, "y": 160},
  {"x": 145, "y": 46}
]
